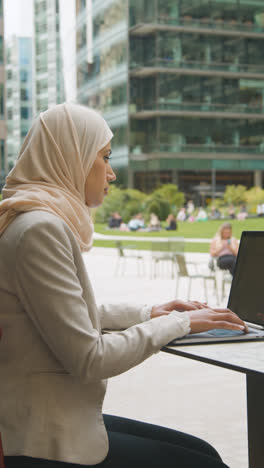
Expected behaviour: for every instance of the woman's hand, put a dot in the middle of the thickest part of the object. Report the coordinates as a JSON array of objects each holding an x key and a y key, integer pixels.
[
  {"x": 181, "y": 306},
  {"x": 207, "y": 319}
]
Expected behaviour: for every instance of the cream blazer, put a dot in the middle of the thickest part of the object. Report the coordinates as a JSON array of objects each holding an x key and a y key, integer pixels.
[{"x": 54, "y": 360}]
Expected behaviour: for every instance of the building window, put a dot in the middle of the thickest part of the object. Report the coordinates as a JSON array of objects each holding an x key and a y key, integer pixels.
[
  {"x": 2, "y": 149},
  {"x": 24, "y": 95},
  {"x": 2, "y": 101},
  {"x": 23, "y": 76},
  {"x": 10, "y": 114},
  {"x": 1, "y": 50},
  {"x": 24, "y": 112}
]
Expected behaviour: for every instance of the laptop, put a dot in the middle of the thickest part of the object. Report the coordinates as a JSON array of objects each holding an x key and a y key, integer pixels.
[{"x": 246, "y": 296}]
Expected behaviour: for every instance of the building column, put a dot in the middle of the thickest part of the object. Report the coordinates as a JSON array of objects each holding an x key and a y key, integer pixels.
[
  {"x": 175, "y": 178},
  {"x": 130, "y": 178},
  {"x": 258, "y": 178}
]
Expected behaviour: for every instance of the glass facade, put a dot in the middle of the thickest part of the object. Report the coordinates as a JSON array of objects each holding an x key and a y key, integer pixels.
[
  {"x": 19, "y": 93},
  {"x": 183, "y": 81},
  {"x": 49, "y": 82},
  {"x": 196, "y": 91},
  {"x": 102, "y": 78}
]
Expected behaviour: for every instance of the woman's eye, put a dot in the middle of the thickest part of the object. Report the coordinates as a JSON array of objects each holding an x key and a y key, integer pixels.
[{"x": 107, "y": 158}]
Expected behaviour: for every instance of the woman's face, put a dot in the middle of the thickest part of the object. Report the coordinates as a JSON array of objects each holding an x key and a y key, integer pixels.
[
  {"x": 99, "y": 178},
  {"x": 226, "y": 233}
]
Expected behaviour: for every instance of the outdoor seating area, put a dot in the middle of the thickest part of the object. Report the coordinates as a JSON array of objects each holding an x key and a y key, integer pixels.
[{"x": 167, "y": 260}]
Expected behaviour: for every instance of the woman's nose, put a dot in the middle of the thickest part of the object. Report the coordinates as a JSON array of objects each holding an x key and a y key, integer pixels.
[{"x": 111, "y": 175}]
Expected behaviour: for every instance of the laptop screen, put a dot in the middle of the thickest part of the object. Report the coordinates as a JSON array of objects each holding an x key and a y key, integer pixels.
[{"x": 247, "y": 291}]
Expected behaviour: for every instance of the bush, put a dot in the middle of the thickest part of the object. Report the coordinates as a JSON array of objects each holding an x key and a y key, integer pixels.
[
  {"x": 127, "y": 202},
  {"x": 172, "y": 195},
  {"x": 157, "y": 204},
  {"x": 235, "y": 194},
  {"x": 253, "y": 197},
  {"x": 111, "y": 203}
]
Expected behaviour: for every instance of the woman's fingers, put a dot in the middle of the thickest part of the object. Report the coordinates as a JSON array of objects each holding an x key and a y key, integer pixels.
[
  {"x": 229, "y": 325},
  {"x": 207, "y": 319}
]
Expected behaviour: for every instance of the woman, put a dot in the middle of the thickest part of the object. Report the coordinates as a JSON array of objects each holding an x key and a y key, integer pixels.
[
  {"x": 225, "y": 248},
  {"x": 54, "y": 359},
  {"x": 172, "y": 223}
]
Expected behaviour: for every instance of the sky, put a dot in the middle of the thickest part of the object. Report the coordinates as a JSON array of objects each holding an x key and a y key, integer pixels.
[{"x": 18, "y": 15}]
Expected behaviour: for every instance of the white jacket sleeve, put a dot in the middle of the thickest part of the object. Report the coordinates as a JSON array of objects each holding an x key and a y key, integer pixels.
[
  {"x": 123, "y": 315},
  {"x": 48, "y": 286}
]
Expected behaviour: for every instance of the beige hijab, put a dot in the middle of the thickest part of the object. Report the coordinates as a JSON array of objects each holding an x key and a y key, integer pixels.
[{"x": 52, "y": 167}]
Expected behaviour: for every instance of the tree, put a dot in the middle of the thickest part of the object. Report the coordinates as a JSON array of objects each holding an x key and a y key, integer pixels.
[
  {"x": 127, "y": 202},
  {"x": 253, "y": 197},
  {"x": 171, "y": 194},
  {"x": 157, "y": 204},
  {"x": 235, "y": 194}
]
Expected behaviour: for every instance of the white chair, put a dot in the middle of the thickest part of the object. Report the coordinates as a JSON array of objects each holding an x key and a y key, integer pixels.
[
  {"x": 190, "y": 271},
  {"x": 163, "y": 253},
  {"x": 224, "y": 276},
  {"x": 125, "y": 253},
  {"x": 161, "y": 256}
]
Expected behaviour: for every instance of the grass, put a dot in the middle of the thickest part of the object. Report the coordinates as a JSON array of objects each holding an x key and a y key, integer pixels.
[{"x": 197, "y": 230}]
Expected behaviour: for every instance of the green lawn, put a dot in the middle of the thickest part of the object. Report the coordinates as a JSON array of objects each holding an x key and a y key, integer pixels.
[{"x": 199, "y": 230}]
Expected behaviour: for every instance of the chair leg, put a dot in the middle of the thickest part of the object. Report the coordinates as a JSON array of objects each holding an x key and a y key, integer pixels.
[
  {"x": 189, "y": 289},
  {"x": 223, "y": 289},
  {"x": 216, "y": 291},
  {"x": 205, "y": 290}
]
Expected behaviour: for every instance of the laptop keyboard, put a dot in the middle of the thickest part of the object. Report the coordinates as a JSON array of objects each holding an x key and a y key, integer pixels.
[{"x": 222, "y": 332}]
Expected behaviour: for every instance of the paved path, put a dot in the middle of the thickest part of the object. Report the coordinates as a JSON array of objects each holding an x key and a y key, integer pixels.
[
  {"x": 203, "y": 400},
  {"x": 145, "y": 238}
]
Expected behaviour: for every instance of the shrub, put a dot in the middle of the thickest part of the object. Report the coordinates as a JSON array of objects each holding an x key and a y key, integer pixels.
[
  {"x": 235, "y": 194},
  {"x": 171, "y": 194},
  {"x": 253, "y": 197},
  {"x": 127, "y": 202},
  {"x": 157, "y": 204}
]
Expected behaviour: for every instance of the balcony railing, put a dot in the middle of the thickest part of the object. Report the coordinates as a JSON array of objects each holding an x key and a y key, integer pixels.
[
  {"x": 201, "y": 23},
  {"x": 157, "y": 62},
  {"x": 172, "y": 105},
  {"x": 196, "y": 148}
]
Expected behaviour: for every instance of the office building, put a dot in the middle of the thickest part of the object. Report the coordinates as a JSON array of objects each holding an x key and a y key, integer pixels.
[
  {"x": 48, "y": 66},
  {"x": 19, "y": 86},
  {"x": 181, "y": 82}
]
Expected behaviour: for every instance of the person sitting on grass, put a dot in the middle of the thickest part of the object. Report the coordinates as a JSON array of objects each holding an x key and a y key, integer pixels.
[{"x": 172, "y": 223}]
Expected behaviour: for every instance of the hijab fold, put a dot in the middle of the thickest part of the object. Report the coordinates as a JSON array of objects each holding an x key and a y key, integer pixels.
[{"x": 52, "y": 167}]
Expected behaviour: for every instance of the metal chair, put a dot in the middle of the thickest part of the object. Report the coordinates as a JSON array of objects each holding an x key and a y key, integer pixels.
[
  {"x": 185, "y": 272},
  {"x": 161, "y": 255},
  {"x": 128, "y": 252},
  {"x": 224, "y": 276},
  {"x": 163, "y": 252}
]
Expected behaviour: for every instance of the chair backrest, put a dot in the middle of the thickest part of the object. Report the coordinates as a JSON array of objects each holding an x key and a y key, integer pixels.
[
  {"x": 183, "y": 271},
  {"x": 160, "y": 246},
  {"x": 176, "y": 244}
]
